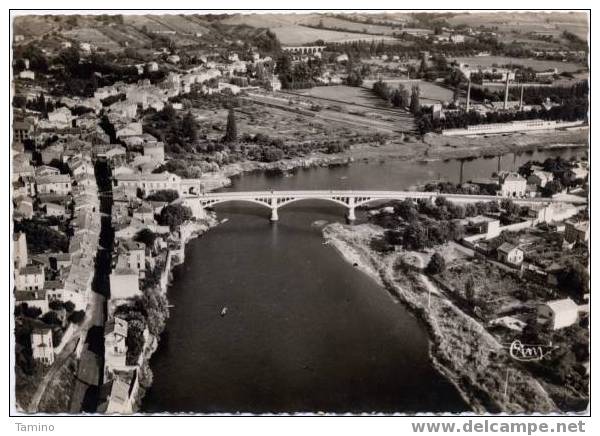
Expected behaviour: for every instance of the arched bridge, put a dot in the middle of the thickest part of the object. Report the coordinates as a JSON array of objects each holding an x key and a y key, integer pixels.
[{"x": 349, "y": 199}]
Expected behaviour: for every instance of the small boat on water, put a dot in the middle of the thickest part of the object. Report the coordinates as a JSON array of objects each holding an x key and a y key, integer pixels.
[
  {"x": 224, "y": 220},
  {"x": 224, "y": 311}
]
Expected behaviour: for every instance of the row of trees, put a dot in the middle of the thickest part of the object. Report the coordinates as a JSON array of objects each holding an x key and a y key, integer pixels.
[{"x": 399, "y": 97}]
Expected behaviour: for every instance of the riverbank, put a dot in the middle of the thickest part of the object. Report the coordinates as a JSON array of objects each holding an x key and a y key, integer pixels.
[
  {"x": 188, "y": 231},
  {"x": 433, "y": 147},
  {"x": 460, "y": 348}
]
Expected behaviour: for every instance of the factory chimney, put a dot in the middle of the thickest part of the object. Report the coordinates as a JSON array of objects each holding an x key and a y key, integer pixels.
[
  {"x": 506, "y": 93},
  {"x": 521, "y": 100},
  {"x": 469, "y": 96}
]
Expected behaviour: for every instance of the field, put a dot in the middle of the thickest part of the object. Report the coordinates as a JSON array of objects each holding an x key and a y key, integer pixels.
[
  {"x": 357, "y": 106},
  {"x": 347, "y": 94},
  {"x": 290, "y": 31},
  {"x": 430, "y": 92},
  {"x": 536, "y": 64},
  {"x": 555, "y": 22}
]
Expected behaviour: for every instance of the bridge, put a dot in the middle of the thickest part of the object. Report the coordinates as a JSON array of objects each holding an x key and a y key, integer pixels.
[{"x": 352, "y": 199}]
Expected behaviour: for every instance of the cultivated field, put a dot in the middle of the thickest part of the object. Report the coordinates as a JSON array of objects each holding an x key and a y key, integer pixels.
[
  {"x": 289, "y": 30},
  {"x": 554, "y": 22}
]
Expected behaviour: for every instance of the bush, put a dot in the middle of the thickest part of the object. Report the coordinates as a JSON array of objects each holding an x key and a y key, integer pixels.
[
  {"x": 77, "y": 317},
  {"x": 167, "y": 195},
  {"x": 69, "y": 306},
  {"x": 51, "y": 318},
  {"x": 436, "y": 264},
  {"x": 56, "y": 305}
]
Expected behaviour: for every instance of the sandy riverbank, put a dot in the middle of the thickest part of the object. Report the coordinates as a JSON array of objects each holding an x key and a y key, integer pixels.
[{"x": 460, "y": 348}]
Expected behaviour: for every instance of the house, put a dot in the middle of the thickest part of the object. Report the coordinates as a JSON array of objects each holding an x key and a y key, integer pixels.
[
  {"x": 540, "y": 178},
  {"x": 483, "y": 224},
  {"x": 155, "y": 150},
  {"x": 119, "y": 394},
  {"x": 52, "y": 152},
  {"x": 577, "y": 231},
  {"x": 124, "y": 283},
  {"x": 53, "y": 209},
  {"x": 45, "y": 170},
  {"x": 57, "y": 184},
  {"x": 557, "y": 314},
  {"x": 144, "y": 213},
  {"x": 152, "y": 66},
  {"x": 512, "y": 185},
  {"x": 510, "y": 254},
  {"x": 30, "y": 278},
  {"x": 115, "y": 346},
  {"x": 20, "y": 250},
  {"x": 60, "y": 117},
  {"x": 23, "y": 130},
  {"x": 132, "y": 255},
  {"x": 42, "y": 348},
  {"x": 23, "y": 207},
  {"x": 37, "y": 299}
]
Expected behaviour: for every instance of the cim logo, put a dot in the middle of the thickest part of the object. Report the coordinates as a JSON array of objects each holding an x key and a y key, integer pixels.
[{"x": 528, "y": 352}]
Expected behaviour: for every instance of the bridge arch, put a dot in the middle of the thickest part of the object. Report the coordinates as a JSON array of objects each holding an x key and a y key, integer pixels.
[
  {"x": 229, "y": 200},
  {"x": 294, "y": 200}
]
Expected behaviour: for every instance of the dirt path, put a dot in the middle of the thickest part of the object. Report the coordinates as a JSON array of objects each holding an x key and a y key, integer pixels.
[{"x": 56, "y": 366}]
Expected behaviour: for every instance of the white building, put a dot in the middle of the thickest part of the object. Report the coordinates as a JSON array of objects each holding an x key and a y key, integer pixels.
[
  {"x": 115, "y": 346},
  {"x": 20, "y": 250},
  {"x": 124, "y": 283},
  {"x": 41, "y": 346},
  {"x": 30, "y": 278},
  {"x": 58, "y": 184},
  {"x": 557, "y": 314},
  {"x": 510, "y": 254},
  {"x": 512, "y": 185}
]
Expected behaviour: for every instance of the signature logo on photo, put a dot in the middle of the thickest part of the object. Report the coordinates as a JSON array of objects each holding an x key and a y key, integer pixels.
[{"x": 529, "y": 352}]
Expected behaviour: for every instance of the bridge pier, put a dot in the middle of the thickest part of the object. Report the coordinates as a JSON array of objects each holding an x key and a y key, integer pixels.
[
  {"x": 351, "y": 216},
  {"x": 274, "y": 214}
]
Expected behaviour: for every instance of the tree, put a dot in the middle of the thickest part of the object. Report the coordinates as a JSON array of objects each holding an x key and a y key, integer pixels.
[
  {"x": 415, "y": 105},
  {"x": 69, "y": 306},
  {"x": 173, "y": 215},
  {"x": 166, "y": 195},
  {"x": 77, "y": 317},
  {"x": 470, "y": 291},
  {"x": 135, "y": 340},
  {"x": 51, "y": 318},
  {"x": 146, "y": 236},
  {"x": 56, "y": 305},
  {"x": 231, "y": 130},
  {"x": 436, "y": 264},
  {"x": 189, "y": 127}
]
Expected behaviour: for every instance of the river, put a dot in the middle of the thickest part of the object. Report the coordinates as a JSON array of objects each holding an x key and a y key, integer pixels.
[{"x": 304, "y": 331}]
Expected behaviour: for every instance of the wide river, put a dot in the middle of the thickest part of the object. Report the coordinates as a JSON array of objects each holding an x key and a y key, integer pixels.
[{"x": 304, "y": 331}]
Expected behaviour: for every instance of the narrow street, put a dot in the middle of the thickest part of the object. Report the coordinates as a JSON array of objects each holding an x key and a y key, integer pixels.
[{"x": 91, "y": 363}]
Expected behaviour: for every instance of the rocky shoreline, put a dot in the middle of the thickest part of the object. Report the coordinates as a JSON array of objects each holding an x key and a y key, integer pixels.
[{"x": 460, "y": 348}]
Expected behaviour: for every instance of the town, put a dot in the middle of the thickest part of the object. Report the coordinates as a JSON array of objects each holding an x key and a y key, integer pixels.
[{"x": 128, "y": 131}]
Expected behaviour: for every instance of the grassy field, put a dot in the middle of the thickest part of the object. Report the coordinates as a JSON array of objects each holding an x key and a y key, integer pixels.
[
  {"x": 536, "y": 64},
  {"x": 430, "y": 92}
]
